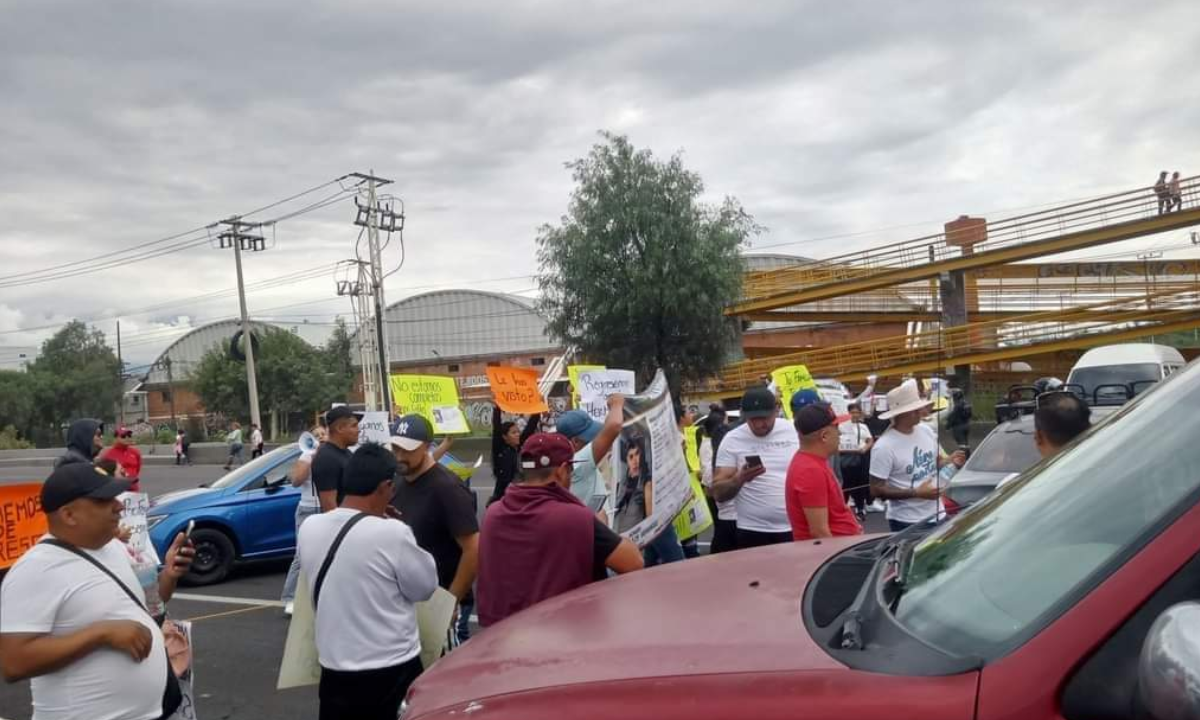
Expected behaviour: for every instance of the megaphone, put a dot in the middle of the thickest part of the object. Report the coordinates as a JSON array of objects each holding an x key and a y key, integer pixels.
[{"x": 307, "y": 441}]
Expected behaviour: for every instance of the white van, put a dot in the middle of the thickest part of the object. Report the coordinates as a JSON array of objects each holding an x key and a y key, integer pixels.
[{"x": 1133, "y": 365}]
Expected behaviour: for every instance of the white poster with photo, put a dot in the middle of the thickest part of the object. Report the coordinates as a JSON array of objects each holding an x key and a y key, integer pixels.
[
  {"x": 449, "y": 420},
  {"x": 133, "y": 518},
  {"x": 596, "y": 385},
  {"x": 649, "y": 452}
]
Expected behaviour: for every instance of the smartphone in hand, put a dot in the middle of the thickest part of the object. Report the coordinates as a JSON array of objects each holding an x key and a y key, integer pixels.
[{"x": 753, "y": 461}]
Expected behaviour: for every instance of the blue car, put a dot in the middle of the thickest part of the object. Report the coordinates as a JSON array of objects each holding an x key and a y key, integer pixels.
[{"x": 249, "y": 514}]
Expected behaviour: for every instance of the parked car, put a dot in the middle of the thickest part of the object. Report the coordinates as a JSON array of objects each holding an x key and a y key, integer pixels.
[
  {"x": 1007, "y": 450},
  {"x": 249, "y": 514},
  {"x": 1102, "y": 372},
  {"x": 1065, "y": 594}
]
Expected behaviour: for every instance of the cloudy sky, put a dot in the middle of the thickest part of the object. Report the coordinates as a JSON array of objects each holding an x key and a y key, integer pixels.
[{"x": 125, "y": 122}]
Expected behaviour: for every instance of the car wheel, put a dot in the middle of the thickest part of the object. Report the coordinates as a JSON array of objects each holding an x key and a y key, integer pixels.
[{"x": 214, "y": 557}]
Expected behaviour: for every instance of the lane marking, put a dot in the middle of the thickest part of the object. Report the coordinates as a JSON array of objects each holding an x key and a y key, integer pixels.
[
  {"x": 240, "y": 611},
  {"x": 226, "y": 600}
]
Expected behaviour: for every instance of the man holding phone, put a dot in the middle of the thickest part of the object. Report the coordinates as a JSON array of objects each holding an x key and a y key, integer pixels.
[{"x": 751, "y": 468}]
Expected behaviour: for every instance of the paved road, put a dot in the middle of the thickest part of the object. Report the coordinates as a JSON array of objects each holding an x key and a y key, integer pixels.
[{"x": 239, "y": 627}]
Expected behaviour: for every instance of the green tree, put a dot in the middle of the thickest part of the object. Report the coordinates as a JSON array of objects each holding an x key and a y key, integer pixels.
[
  {"x": 339, "y": 360},
  {"x": 638, "y": 273},
  {"x": 76, "y": 375},
  {"x": 293, "y": 377},
  {"x": 17, "y": 402}
]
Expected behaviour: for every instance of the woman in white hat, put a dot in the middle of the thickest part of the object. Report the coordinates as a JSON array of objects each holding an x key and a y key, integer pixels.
[{"x": 905, "y": 461}]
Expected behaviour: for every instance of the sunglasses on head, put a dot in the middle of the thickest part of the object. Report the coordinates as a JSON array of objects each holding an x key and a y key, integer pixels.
[{"x": 126, "y": 434}]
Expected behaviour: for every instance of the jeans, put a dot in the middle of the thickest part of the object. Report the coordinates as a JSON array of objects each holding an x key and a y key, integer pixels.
[
  {"x": 293, "y": 576},
  {"x": 465, "y": 608},
  {"x": 366, "y": 694},
  {"x": 691, "y": 547},
  {"x": 663, "y": 549}
]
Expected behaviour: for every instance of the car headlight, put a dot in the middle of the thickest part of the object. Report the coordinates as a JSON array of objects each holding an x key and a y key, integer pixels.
[{"x": 152, "y": 520}]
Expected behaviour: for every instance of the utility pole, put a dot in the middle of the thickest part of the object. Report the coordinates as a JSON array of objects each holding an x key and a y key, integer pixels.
[
  {"x": 238, "y": 239},
  {"x": 374, "y": 217},
  {"x": 120, "y": 378}
]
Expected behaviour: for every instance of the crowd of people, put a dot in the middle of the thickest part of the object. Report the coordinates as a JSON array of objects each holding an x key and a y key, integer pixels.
[{"x": 381, "y": 527}]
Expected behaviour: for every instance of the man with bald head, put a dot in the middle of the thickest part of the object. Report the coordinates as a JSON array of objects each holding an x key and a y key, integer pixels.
[{"x": 75, "y": 618}]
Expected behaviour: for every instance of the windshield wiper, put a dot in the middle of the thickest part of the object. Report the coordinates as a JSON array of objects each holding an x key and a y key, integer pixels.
[
  {"x": 852, "y": 627},
  {"x": 896, "y": 550}
]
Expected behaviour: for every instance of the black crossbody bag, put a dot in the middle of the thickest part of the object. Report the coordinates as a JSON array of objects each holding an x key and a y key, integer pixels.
[
  {"x": 172, "y": 695},
  {"x": 337, "y": 543}
]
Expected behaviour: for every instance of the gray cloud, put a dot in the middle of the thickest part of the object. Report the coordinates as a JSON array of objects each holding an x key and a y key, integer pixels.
[{"x": 127, "y": 121}]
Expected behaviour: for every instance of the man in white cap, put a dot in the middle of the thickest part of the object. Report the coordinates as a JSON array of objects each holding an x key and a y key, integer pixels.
[{"x": 905, "y": 461}]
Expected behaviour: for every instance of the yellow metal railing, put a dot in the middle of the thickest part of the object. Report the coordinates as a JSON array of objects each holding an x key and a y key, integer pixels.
[
  {"x": 1112, "y": 210},
  {"x": 950, "y": 346}
]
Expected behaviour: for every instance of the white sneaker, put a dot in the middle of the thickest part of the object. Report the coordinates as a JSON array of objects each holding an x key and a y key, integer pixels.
[
  {"x": 288, "y": 608},
  {"x": 876, "y": 507}
]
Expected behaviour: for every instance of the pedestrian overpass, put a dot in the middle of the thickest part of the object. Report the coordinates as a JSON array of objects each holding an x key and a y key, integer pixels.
[
  {"x": 971, "y": 245},
  {"x": 1009, "y": 338}
]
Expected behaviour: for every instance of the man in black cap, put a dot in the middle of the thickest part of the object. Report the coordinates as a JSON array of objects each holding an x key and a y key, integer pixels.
[
  {"x": 341, "y": 424},
  {"x": 752, "y": 464},
  {"x": 437, "y": 505},
  {"x": 75, "y": 617}
]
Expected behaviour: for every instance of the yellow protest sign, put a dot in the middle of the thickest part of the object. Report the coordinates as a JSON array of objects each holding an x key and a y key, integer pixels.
[
  {"x": 22, "y": 522},
  {"x": 516, "y": 390},
  {"x": 695, "y": 517},
  {"x": 573, "y": 373},
  {"x": 790, "y": 379},
  {"x": 429, "y": 396}
]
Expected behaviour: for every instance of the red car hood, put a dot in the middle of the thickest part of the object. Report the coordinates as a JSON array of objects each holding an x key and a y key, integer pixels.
[{"x": 734, "y": 612}]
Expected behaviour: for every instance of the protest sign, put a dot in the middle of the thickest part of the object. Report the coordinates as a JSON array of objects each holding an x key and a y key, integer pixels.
[
  {"x": 133, "y": 518},
  {"x": 836, "y": 398},
  {"x": 650, "y": 427},
  {"x": 695, "y": 517},
  {"x": 596, "y": 385},
  {"x": 301, "y": 665},
  {"x": 790, "y": 379},
  {"x": 449, "y": 420},
  {"x": 373, "y": 427},
  {"x": 177, "y": 635},
  {"x": 516, "y": 390},
  {"x": 420, "y": 394},
  {"x": 22, "y": 522},
  {"x": 573, "y": 372}
]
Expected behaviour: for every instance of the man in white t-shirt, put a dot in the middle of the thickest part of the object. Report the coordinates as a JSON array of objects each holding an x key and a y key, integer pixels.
[
  {"x": 752, "y": 464},
  {"x": 592, "y": 442},
  {"x": 89, "y": 644},
  {"x": 367, "y": 639},
  {"x": 309, "y": 505},
  {"x": 905, "y": 462}
]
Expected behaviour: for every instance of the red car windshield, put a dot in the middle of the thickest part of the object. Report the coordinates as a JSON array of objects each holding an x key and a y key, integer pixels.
[{"x": 994, "y": 576}]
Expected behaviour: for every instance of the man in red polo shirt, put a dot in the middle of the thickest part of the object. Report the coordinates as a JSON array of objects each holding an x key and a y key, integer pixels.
[
  {"x": 815, "y": 505},
  {"x": 539, "y": 541},
  {"x": 124, "y": 453}
]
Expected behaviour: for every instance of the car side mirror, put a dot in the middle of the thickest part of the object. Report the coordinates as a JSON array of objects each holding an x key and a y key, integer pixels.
[{"x": 1169, "y": 666}]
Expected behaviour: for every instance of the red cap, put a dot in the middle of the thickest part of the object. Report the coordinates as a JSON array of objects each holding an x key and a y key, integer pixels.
[{"x": 547, "y": 450}]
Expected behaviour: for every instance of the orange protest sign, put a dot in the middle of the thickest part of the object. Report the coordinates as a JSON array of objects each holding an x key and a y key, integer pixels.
[
  {"x": 22, "y": 522},
  {"x": 516, "y": 390}
]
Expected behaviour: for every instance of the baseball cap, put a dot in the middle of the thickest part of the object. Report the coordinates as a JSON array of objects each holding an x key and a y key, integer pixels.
[
  {"x": 341, "y": 411},
  {"x": 547, "y": 450},
  {"x": 578, "y": 424},
  {"x": 817, "y": 416},
  {"x": 124, "y": 432},
  {"x": 804, "y": 397},
  {"x": 759, "y": 402},
  {"x": 79, "y": 480},
  {"x": 411, "y": 432}
]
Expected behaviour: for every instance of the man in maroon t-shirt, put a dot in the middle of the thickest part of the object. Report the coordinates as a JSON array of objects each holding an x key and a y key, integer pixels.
[
  {"x": 127, "y": 456},
  {"x": 815, "y": 504},
  {"x": 539, "y": 541}
]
